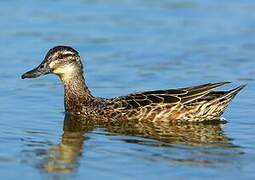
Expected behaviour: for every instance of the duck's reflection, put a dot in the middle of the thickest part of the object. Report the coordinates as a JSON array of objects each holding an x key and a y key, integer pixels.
[{"x": 64, "y": 157}]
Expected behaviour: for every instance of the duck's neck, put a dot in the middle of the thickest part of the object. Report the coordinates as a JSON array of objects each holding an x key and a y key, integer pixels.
[{"x": 77, "y": 93}]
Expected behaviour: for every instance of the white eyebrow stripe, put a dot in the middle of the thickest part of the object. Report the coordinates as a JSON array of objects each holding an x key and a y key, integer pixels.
[{"x": 67, "y": 53}]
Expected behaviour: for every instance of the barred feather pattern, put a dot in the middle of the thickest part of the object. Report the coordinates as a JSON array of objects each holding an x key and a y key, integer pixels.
[{"x": 198, "y": 103}]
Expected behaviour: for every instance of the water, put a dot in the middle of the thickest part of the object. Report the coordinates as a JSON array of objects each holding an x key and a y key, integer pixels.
[{"x": 126, "y": 46}]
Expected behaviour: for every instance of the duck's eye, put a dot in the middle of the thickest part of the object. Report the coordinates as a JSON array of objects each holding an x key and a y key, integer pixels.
[
  {"x": 60, "y": 56},
  {"x": 63, "y": 56}
]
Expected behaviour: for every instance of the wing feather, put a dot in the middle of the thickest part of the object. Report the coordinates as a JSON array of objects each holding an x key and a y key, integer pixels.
[
  {"x": 169, "y": 96},
  {"x": 197, "y": 92}
]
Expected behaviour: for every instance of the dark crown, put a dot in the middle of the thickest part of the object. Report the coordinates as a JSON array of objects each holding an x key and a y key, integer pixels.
[{"x": 61, "y": 48}]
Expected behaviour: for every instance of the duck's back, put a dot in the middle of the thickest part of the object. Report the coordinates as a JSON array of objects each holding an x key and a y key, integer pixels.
[{"x": 197, "y": 103}]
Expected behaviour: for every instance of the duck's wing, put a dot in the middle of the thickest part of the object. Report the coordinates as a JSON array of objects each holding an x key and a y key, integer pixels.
[
  {"x": 196, "y": 92},
  {"x": 159, "y": 97}
]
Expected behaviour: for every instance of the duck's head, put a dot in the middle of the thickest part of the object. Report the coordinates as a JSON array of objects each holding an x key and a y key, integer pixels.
[{"x": 63, "y": 61}]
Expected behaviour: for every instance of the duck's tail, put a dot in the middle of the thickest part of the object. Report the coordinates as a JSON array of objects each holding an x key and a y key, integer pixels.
[
  {"x": 235, "y": 91},
  {"x": 229, "y": 95},
  {"x": 218, "y": 105}
]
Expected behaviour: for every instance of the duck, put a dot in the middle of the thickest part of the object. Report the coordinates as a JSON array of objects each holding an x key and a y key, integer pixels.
[{"x": 190, "y": 104}]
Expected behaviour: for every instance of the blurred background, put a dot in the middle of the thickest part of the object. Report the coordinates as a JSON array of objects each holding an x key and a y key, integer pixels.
[{"x": 126, "y": 46}]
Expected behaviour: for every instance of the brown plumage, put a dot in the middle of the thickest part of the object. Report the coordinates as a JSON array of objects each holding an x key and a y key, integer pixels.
[{"x": 197, "y": 103}]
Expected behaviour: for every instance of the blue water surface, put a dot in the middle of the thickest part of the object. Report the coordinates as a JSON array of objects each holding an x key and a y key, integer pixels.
[{"x": 126, "y": 46}]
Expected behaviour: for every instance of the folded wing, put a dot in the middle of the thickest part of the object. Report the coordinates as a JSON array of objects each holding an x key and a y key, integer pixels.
[{"x": 159, "y": 97}]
